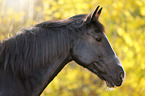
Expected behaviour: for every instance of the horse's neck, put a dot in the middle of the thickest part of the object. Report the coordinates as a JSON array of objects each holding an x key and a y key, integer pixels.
[{"x": 38, "y": 80}]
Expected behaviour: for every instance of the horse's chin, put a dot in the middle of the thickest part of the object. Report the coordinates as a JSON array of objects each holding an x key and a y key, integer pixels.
[
  {"x": 110, "y": 84},
  {"x": 109, "y": 81}
]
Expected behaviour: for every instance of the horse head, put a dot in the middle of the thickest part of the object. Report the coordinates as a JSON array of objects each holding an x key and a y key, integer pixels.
[{"x": 94, "y": 52}]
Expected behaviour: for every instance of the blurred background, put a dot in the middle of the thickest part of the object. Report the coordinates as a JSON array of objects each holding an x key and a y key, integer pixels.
[{"x": 124, "y": 22}]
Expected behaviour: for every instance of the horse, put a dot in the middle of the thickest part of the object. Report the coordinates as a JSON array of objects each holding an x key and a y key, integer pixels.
[{"x": 31, "y": 59}]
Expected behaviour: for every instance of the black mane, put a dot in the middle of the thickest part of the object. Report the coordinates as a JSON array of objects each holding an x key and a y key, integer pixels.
[
  {"x": 75, "y": 19},
  {"x": 36, "y": 46}
]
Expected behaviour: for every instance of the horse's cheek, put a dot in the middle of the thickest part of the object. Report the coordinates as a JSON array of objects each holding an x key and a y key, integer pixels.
[{"x": 84, "y": 55}]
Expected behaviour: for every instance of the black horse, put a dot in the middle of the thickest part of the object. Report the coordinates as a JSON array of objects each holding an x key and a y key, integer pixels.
[{"x": 30, "y": 60}]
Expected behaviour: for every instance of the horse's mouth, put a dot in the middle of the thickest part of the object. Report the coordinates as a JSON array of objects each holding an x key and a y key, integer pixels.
[
  {"x": 108, "y": 82},
  {"x": 103, "y": 75}
]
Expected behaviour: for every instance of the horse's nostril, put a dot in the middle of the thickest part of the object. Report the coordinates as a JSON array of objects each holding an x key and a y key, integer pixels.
[{"x": 121, "y": 76}]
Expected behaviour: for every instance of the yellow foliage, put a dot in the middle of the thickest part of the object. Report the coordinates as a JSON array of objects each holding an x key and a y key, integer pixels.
[
  {"x": 120, "y": 31},
  {"x": 142, "y": 11},
  {"x": 124, "y": 21}
]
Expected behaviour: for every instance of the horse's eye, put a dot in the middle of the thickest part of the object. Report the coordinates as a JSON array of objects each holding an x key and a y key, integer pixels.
[{"x": 98, "y": 39}]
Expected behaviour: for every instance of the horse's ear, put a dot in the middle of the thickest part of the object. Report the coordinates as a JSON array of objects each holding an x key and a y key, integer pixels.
[{"x": 94, "y": 15}]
